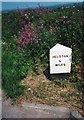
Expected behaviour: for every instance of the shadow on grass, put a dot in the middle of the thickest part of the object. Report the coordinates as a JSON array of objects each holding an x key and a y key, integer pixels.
[{"x": 62, "y": 76}]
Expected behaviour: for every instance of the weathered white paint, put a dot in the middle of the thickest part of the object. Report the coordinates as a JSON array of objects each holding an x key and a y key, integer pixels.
[{"x": 60, "y": 59}]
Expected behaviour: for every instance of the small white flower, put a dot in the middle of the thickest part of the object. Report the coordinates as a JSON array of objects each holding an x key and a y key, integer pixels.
[
  {"x": 3, "y": 43},
  {"x": 67, "y": 7},
  {"x": 62, "y": 7},
  {"x": 25, "y": 14},
  {"x": 64, "y": 16},
  {"x": 29, "y": 89}
]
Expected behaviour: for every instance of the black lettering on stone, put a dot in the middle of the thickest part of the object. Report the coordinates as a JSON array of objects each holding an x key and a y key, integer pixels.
[
  {"x": 59, "y": 56},
  {"x": 63, "y": 64},
  {"x": 66, "y": 55},
  {"x": 54, "y": 56},
  {"x": 56, "y": 65}
]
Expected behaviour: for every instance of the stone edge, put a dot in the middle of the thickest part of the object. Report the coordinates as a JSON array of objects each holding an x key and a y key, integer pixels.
[{"x": 53, "y": 110}]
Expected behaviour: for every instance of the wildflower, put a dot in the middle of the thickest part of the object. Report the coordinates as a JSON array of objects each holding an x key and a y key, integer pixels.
[
  {"x": 27, "y": 17},
  {"x": 20, "y": 40},
  {"x": 29, "y": 13},
  {"x": 32, "y": 16},
  {"x": 19, "y": 32},
  {"x": 19, "y": 49},
  {"x": 8, "y": 21},
  {"x": 29, "y": 34},
  {"x": 27, "y": 42},
  {"x": 62, "y": 8},
  {"x": 25, "y": 14},
  {"x": 3, "y": 43},
  {"x": 56, "y": 21},
  {"x": 64, "y": 16},
  {"x": 67, "y": 7},
  {"x": 23, "y": 43},
  {"x": 56, "y": 28},
  {"x": 60, "y": 36},
  {"x": 29, "y": 89}
]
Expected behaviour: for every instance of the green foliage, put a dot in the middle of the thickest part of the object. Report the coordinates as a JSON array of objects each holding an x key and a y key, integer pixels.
[
  {"x": 47, "y": 27},
  {"x": 10, "y": 70}
]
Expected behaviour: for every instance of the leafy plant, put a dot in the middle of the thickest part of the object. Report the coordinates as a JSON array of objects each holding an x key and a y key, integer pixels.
[{"x": 28, "y": 35}]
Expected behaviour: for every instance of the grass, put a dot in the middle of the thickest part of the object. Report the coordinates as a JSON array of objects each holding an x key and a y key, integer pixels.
[
  {"x": 27, "y": 36},
  {"x": 41, "y": 90}
]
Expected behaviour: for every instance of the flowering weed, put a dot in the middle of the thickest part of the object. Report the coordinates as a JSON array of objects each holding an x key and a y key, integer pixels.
[{"x": 28, "y": 37}]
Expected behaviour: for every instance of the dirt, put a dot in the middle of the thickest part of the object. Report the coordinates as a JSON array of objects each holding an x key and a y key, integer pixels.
[{"x": 43, "y": 91}]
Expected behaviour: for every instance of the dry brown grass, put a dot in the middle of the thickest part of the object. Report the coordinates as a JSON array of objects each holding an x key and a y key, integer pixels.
[{"x": 41, "y": 90}]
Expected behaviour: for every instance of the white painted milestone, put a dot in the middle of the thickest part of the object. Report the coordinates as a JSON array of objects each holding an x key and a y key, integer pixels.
[{"x": 60, "y": 59}]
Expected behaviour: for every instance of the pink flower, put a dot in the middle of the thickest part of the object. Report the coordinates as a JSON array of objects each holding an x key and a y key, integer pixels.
[
  {"x": 29, "y": 35},
  {"x": 19, "y": 49},
  {"x": 23, "y": 43},
  {"x": 27, "y": 42},
  {"x": 20, "y": 40}
]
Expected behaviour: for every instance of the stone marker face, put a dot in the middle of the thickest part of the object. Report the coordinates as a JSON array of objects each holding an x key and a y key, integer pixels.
[{"x": 60, "y": 59}]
